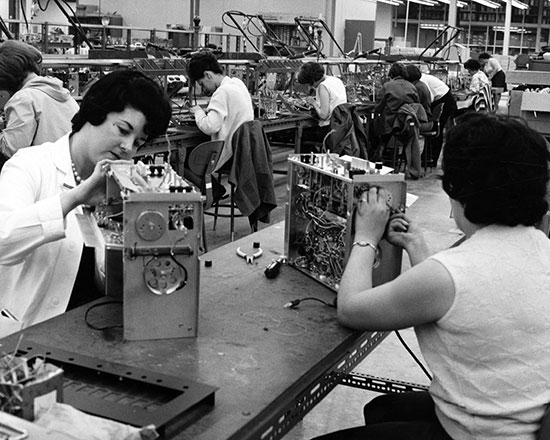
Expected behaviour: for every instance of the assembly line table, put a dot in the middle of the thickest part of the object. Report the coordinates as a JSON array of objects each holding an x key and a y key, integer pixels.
[
  {"x": 177, "y": 140},
  {"x": 271, "y": 364}
]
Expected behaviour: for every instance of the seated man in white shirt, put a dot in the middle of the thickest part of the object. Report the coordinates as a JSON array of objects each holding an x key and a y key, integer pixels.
[
  {"x": 230, "y": 105},
  {"x": 330, "y": 92}
]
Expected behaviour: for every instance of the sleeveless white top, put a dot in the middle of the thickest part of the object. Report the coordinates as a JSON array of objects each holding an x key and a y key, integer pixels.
[
  {"x": 337, "y": 95},
  {"x": 490, "y": 353}
]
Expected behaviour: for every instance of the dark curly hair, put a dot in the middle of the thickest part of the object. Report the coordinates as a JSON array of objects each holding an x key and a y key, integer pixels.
[
  {"x": 200, "y": 63},
  {"x": 17, "y": 60},
  {"x": 497, "y": 168},
  {"x": 398, "y": 69},
  {"x": 472, "y": 64},
  {"x": 310, "y": 73},
  {"x": 413, "y": 73},
  {"x": 120, "y": 89}
]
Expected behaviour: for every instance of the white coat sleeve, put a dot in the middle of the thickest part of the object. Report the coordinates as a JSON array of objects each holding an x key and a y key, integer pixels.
[{"x": 28, "y": 219}]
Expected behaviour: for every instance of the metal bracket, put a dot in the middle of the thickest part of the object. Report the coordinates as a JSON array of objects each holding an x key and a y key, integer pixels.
[
  {"x": 157, "y": 251},
  {"x": 379, "y": 384}
]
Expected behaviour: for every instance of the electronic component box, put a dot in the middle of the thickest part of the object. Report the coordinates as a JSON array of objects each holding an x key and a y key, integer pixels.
[
  {"x": 152, "y": 225},
  {"x": 323, "y": 191}
]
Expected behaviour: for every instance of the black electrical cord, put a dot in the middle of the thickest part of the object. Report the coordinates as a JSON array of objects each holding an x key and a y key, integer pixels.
[
  {"x": 40, "y": 6},
  {"x": 24, "y": 14},
  {"x": 95, "y": 306},
  {"x": 4, "y": 28},
  {"x": 73, "y": 20},
  {"x": 295, "y": 303},
  {"x": 424, "y": 369}
]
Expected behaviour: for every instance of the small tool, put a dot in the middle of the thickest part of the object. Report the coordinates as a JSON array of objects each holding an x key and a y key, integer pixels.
[
  {"x": 250, "y": 257},
  {"x": 274, "y": 268}
]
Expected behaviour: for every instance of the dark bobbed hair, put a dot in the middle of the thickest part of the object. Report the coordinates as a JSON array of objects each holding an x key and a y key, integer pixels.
[
  {"x": 472, "y": 64},
  {"x": 310, "y": 73},
  {"x": 17, "y": 60},
  {"x": 120, "y": 89},
  {"x": 200, "y": 63},
  {"x": 413, "y": 73},
  {"x": 484, "y": 56},
  {"x": 497, "y": 168},
  {"x": 398, "y": 69}
]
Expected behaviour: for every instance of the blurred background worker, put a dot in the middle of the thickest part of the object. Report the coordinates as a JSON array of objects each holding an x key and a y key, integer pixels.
[
  {"x": 478, "y": 80},
  {"x": 229, "y": 107},
  {"x": 230, "y": 102},
  {"x": 496, "y": 75},
  {"x": 330, "y": 92},
  {"x": 395, "y": 92},
  {"x": 440, "y": 93},
  {"x": 39, "y": 109}
]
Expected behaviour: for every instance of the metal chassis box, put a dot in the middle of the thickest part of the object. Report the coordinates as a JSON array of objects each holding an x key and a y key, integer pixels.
[
  {"x": 158, "y": 260},
  {"x": 319, "y": 215}
]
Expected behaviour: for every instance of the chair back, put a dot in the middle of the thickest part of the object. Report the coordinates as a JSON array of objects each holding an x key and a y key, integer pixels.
[
  {"x": 436, "y": 116},
  {"x": 483, "y": 101},
  {"x": 438, "y": 110},
  {"x": 202, "y": 162},
  {"x": 408, "y": 120}
]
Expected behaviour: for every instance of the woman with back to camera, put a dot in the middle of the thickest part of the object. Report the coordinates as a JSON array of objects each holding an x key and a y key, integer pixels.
[
  {"x": 44, "y": 267},
  {"x": 480, "y": 310},
  {"x": 394, "y": 93},
  {"x": 39, "y": 108}
]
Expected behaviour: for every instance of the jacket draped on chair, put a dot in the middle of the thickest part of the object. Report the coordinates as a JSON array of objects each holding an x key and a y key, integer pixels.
[
  {"x": 407, "y": 127},
  {"x": 252, "y": 172},
  {"x": 347, "y": 134}
]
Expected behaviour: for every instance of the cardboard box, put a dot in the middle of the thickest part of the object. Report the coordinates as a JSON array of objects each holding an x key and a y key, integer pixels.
[{"x": 535, "y": 109}]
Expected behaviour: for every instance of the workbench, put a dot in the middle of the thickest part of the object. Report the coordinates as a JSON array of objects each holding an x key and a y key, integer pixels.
[
  {"x": 271, "y": 364},
  {"x": 177, "y": 140}
]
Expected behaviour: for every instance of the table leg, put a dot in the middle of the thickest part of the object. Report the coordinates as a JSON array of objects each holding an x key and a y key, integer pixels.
[{"x": 298, "y": 139}]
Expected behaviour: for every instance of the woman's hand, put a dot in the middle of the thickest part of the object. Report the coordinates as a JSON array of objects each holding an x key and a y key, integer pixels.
[
  {"x": 400, "y": 230},
  {"x": 372, "y": 214},
  {"x": 406, "y": 234},
  {"x": 91, "y": 190}
]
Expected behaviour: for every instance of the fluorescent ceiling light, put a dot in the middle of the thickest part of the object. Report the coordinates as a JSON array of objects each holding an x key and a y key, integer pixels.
[
  {"x": 488, "y": 3},
  {"x": 519, "y": 5},
  {"x": 424, "y": 2},
  {"x": 459, "y": 4},
  {"x": 432, "y": 26},
  {"x": 515, "y": 29},
  {"x": 390, "y": 2}
]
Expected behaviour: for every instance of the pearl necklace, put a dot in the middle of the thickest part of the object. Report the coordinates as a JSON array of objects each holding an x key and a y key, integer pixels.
[{"x": 77, "y": 177}]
